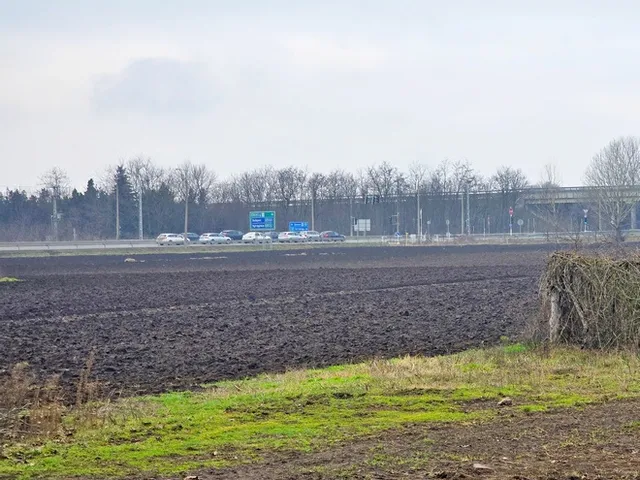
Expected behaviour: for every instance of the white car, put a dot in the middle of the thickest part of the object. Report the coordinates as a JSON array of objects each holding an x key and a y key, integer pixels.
[
  {"x": 255, "y": 237},
  {"x": 170, "y": 239},
  {"x": 291, "y": 237},
  {"x": 311, "y": 236},
  {"x": 211, "y": 238}
]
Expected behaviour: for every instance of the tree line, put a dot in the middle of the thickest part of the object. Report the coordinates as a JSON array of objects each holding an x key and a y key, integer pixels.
[{"x": 450, "y": 196}]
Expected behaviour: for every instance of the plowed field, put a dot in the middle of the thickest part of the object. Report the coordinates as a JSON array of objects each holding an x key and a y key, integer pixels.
[{"x": 176, "y": 321}]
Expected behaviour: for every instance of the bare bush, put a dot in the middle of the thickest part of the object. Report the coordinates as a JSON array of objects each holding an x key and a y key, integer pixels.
[
  {"x": 35, "y": 409},
  {"x": 593, "y": 300},
  {"x": 29, "y": 408}
]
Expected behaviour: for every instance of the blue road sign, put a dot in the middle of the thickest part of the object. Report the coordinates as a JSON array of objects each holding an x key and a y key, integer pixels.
[
  {"x": 398, "y": 234},
  {"x": 298, "y": 226},
  {"x": 262, "y": 220}
]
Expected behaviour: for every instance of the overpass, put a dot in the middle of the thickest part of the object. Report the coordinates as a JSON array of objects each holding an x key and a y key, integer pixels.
[{"x": 583, "y": 196}]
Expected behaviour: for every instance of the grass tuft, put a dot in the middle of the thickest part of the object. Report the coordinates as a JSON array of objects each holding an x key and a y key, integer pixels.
[{"x": 9, "y": 280}]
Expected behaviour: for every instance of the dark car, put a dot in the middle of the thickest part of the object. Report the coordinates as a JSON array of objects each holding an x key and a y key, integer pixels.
[
  {"x": 330, "y": 236},
  {"x": 272, "y": 235},
  {"x": 232, "y": 234},
  {"x": 193, "y": 237}
]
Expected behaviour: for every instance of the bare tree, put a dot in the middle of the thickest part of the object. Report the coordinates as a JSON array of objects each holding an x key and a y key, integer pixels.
[
  {"x": 290, "y": 184},
  {"x": 349, "y": 186},
  {"x": 548, "y": 208},
  {"x": 511, "y": 182},
  {"x": 144, "y": 175},
  {"x": 333, "y": 182},
  {"x": 201, "y": 183},
  {"x": 417, "y": 175},
  {"x": 317, "y": 189},
  {"x": 383, "y": 179},
  {"x": 256, "y": 186},
  {"x": 362, "y": 180},
  {"x": 55, "y": 181},
  {"x": 614, "y": 175},
  {"x": 192, "y": 183}
]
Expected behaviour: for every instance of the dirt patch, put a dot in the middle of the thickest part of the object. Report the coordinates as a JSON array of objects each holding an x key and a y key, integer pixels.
[{"x": 595, "y": 442}]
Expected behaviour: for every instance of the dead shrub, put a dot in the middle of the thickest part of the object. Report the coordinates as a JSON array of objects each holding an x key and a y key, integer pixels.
[
  {"x": 32, "y": 409},
  {"x": 29, "y": 408},
  {"x": 593, "y": 300},
  {"x": 86, "y": 390}
]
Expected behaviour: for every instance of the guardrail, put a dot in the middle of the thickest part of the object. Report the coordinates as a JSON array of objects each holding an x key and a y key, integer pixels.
[
  {"x": 411, "y": 239},
  {"x": 76, "y": 245}
]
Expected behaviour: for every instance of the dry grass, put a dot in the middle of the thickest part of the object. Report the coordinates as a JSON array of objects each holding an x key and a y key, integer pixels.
[
  {"x": 32, "y": 410},
  {"x": 513, "y": 367},
  {"x": 28, "y": 408}
]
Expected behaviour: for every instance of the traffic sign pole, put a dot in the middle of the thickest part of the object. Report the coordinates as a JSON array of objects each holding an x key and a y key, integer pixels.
[{"x": 511, "y": 221}]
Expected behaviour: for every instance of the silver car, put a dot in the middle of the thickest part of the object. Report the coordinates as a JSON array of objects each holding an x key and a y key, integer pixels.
[
  {"x": 255, "y": 237},
  {"x": 213, "y": 238},
  {"x": 311, "y": 236},
  {"x": 170, "y": 239},
  {"x": 291, "y": 237}
]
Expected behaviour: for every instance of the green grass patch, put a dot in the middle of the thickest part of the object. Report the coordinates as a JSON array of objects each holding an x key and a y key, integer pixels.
[
  {"x": 234, "y": 422},
  {"x": 9, "y": 280}
]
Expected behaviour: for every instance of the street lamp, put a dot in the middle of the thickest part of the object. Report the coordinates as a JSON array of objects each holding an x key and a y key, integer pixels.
[{"x": 468, "y": 210}]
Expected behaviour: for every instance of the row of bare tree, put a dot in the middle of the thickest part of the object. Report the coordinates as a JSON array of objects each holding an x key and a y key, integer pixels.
[{"x": 138, "y": 195}]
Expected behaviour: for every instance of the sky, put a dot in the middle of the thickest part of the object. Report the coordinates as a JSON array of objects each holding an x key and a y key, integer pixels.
[{"x": 322, "y": 85}]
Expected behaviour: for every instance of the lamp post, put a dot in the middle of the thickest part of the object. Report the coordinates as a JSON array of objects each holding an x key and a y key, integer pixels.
[{"x": 468, "y": 210}]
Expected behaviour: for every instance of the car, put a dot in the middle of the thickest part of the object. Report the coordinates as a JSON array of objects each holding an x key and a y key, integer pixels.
[
  {"x": 311, "y": 236},
  {"x": 232, "y": 234},
  {"x": 255, "y": 237},
  {"x": 211, "y": 238},
  {"x": 291, "y": 237},
  {"x": 193, "y": 237},
  {"x": 170, "y": 239},
  {"x": 330, "y": 236},
  {"x": 272, "y": 235}
]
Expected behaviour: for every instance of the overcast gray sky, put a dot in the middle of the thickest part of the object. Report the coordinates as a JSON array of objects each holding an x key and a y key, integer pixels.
[{"x": 239, "y": 84}]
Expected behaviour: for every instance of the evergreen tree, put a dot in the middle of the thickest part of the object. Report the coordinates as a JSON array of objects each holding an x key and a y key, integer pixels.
[{"x": 127, "y": 201}]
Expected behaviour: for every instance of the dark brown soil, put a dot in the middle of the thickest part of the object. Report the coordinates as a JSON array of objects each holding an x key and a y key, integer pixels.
[{"x": 175, "y": 321}]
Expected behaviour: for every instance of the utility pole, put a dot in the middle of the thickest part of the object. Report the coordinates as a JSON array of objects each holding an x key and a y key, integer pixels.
[
  {"x": 117, "y": 210},
  {"x": 468, "y": 212},
  {"x": 186, "y": 211},
  {"x": 140, "y": 226},
  {"x": 351, "y": 217},
  {"x": 55, "y": 214},
  {"x": 462, "y": 214},
  {"x": 313, "y": 212},
  {"x": 418, "y": 212}
]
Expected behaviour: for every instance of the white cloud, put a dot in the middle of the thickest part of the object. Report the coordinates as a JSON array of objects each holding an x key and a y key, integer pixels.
[
  {"x": 327, "y": 53},
  {"x": 156, "y": 86}
]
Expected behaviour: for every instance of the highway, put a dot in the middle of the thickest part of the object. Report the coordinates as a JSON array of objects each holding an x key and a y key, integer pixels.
[
  {"x": 370, "y": 240},
  {"x": 125, "y": 245}
]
